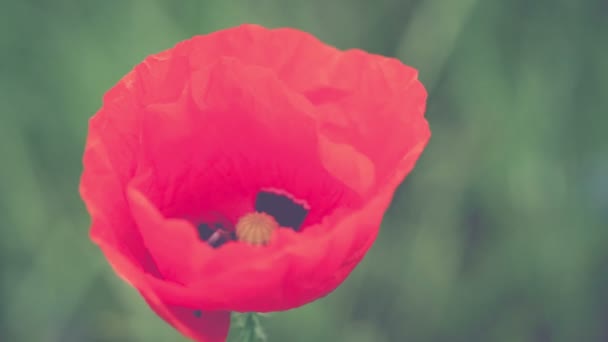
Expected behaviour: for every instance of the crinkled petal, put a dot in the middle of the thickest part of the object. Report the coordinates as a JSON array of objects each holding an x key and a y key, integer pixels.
[
  {"x": 200, "y": 325},
  {"x": 235, "y": 130},
  {"x": 173, "y": 243},
  {"x": 365, "y": 101},
  {"x": 109, "y": 163}
]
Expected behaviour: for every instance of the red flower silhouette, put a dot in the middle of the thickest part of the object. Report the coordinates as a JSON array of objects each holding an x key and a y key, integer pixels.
[{"x": 197, "y": 138}]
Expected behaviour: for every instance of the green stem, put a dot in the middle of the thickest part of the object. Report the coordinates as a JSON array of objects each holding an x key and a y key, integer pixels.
[{"x": 249, "y": 327}]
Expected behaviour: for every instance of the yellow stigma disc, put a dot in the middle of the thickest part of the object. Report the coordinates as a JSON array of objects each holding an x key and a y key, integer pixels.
[{"x": 256, "y": 228}]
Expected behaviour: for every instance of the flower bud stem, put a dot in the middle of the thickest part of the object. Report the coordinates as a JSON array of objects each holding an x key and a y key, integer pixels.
[{"x": 248, "y": 327}]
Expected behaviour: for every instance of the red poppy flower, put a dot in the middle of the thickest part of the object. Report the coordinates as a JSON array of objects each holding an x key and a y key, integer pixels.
[{"x": 247, "y": 170}]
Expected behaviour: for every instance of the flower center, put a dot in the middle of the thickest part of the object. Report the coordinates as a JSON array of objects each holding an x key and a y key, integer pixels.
[
  {"x": 273, "y": 209},
  {"x": 256, "y": 228}
]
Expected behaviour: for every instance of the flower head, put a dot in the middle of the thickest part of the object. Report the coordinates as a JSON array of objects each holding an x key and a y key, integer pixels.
[{"x": 247, "y": 170}]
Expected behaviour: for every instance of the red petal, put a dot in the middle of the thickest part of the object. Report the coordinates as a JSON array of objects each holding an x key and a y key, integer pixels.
[
  {"x": 297, "y": 58},
  {"x": 379, "y": 114},
  {"x": 363, "y": 98},
  {"x": 240, "y": 131},
  {"x": 365, "y": 101},
  {"x": 111, "y": 152},
  {"x": 173, "y": 244},
  {"x": 109, "y": 163},
  {"x": 203, "y": 326}
]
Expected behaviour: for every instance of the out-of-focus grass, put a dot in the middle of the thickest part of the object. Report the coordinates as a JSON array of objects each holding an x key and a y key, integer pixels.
[{"x": 499, "y": 234}]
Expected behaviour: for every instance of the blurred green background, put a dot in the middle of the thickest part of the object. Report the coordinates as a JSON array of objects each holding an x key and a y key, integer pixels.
[{"x": 500, "y": 233}]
